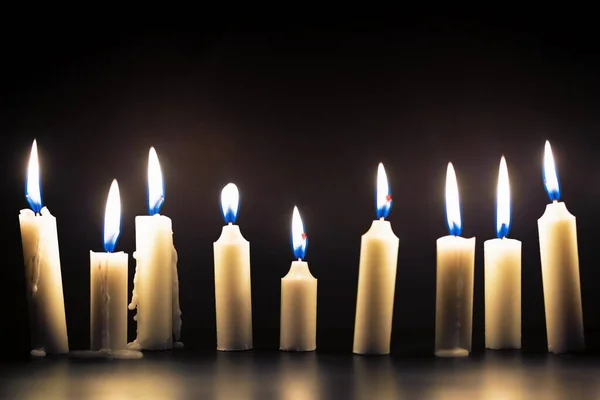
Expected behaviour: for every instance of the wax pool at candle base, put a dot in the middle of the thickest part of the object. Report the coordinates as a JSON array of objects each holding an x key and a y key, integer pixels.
[
  {"x": 560, "y": 277},
  {"x": 298, "y": 309},
  {"x": 376, "y": 286},
  {"x": 108, "y": 300},
  {"x": 502, "y": 293},
  {"x": 44, "y": 283},
  {"x": 232, "y": 290},
  {"x": 454, "y": 296}
]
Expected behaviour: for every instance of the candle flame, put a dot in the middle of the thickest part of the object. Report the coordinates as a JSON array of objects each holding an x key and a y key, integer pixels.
[
  {"x": 503, "y": 201},
  {"x": 112, "y": 217},
  {"x": 383, "y": 194},
  {"x": 550, "y": 175},
  {"x": 230, "y": 203},
  {"x": 299, "y": 238},
  {"x": 32, "y": 191},
  {"x": 156, "y": 189},
  {"x": 452, "y": 202}
]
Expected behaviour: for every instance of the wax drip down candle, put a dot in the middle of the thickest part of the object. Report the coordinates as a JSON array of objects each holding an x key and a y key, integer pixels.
[
  {"x": 108, "y": 283},
  {"x": 502, "y": 258},
  {"x": 233, "y": 298},
  {"x": 298, "y": 331},
  {"x": 376, "y": 278},
  {"x": 560, "y": 268},
  {"x": 45, "y": 299},
  {"x": 454, "y": 281},
  {"x": 155, "y": 285}
]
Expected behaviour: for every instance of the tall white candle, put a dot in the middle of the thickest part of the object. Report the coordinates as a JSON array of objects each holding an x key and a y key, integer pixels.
[
  {"x": 376, "y": 278},
  {"x": 156, "y": 271},
  {"x": 298, "y": 297},
  {"x": 454, "y": 281},
  {"x": 47, "y": 320},
  {"x": 560, "y": 268},
  {"x": 502, "y": 276},
  {"x": 108, "y": 283},
  {"x": 233, "y": 298}
]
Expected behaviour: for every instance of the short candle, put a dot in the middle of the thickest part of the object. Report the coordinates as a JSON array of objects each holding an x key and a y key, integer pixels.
[
  {"x": 454, "y": 281},
  {"x": 298, "y": 330},
  {"x": 560, "y": 268},
  {"x": 502, "y": 258},
  {"x": 108, "y": 283}
]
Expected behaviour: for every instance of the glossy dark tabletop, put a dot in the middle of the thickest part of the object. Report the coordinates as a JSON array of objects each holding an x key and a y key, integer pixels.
[{"x": 298, "y": 376}]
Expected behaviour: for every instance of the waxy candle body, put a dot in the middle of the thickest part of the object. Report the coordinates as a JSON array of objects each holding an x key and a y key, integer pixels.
[
  {"x": 560, "y": 276},
  {"x": 153, "y": 282},
  {"x": 232, "y": 290},
  {"x": 376, "y": 286},
  {"x": 298, "y": 309},
  {"x": 108, "y": 301},
  {"x": 502, "y": 293},
  {"x": 454, "y": 296},
  {"x": 44, "y": 282}
]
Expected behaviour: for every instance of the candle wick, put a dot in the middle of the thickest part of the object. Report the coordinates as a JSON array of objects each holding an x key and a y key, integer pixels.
[
  {"x": 382, "y": 219},
  {"x": 555, "y": 201},
  {"x": 299, "y": 259},
  {"x": 231, "y": 223}
]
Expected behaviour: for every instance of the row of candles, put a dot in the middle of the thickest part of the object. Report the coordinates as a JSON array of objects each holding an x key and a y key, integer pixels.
[{"x": 155, "y": 294}]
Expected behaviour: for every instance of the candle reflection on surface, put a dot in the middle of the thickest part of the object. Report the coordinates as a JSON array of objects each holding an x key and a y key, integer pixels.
[{"x": 274, "y": 375}]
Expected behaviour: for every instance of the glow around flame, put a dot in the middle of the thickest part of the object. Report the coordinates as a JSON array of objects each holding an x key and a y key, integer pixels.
[
  {"x": 230, "y": 203},
  {"x": 33, "y": 192},
  {"x": 452, "y": 202},
  {"x": 550, "y": 175},
  {"x": 156, "y": 189},
  {"x": 503, "y": 201},
  {"x": 112, "y": 218},
  {"x": 383, "y": 195},
  {"x": 299, "y": 238}
]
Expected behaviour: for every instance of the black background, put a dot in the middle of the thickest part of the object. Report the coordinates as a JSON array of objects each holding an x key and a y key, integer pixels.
[{"x": 299, "y": 115}]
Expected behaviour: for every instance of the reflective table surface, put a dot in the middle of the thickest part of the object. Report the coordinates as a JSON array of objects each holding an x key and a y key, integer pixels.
[{"x": 299, "y": 376}]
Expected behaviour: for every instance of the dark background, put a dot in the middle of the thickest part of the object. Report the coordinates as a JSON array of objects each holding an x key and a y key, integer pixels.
[{"x": 301, "y": 115}]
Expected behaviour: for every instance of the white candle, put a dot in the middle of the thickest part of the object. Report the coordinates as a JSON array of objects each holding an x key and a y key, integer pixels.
[
  {"x": 233, "y": 298},
  {"x": 454, "y": 281},
  {"x": 47, "y": 320},
  {"x": 560, "y": 268},
  {"x": 298, "y": 297},
  {"x": 108, "y": 283},
  {"x": 376, "y": 278},
  {"x": 502, "y": 276},
  {"x": 156, "y": 271}
]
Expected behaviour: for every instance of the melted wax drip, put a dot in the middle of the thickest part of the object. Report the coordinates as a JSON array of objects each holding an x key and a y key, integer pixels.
[
  {"x": 176, "y": 310},
  {"x": 134, "y": 304},
  {"x": 105, "y": 314}
]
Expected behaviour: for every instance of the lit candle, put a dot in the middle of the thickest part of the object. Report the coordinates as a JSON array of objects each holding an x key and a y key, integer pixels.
[
  {"x": 155, "y": 285},
  {"x": 560, "y": 268},
  {"x": 376, "y": 278},
  {"x": 108, "y": 283},
  {"x": 454, "y": 281},
  {"x": 42, "y": 270},
  {"x": 298, "y": 297},
  {"x": 232, "y": 279},
  {"x": 502, "y": 276}
]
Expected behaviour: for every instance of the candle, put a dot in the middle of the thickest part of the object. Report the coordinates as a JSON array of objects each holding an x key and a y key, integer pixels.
[
  {"x": 47, "y": 320},
  {"x": 155, "y": 285},
  {"x": 376, "y": 278},
  {"x": 560, "y": 268},
  {"x": 454, "y": 281},
  {"x": 502, "y": 276},
  {"x": 108, "y": 283},
  {"x": 298, "y": 297},
  {"x": 232, "y": 279}
]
